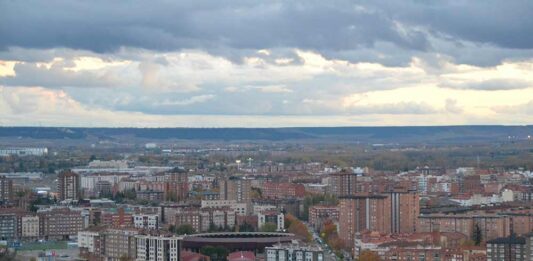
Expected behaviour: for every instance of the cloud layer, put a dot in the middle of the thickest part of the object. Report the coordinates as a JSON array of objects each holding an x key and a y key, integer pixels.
[{"x": 276, "y": 63}]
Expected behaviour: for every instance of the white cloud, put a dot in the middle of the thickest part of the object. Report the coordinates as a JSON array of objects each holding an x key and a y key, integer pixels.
[
  {"x": 192, "y": 100},
  {"x": 192, "y": 82}
]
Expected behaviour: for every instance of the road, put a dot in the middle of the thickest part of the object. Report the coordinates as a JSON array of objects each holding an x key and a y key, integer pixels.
[{"x": 328, "y": 253}]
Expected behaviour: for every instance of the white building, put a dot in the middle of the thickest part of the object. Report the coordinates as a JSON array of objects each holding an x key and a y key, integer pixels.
[
  {"x": 423, "y": 184},
  {"x": 23, "y": 152},
  {"x": 274, "y": 217},
  {"x": 478, "y": 199},
  {"x": 158, "y": 248},
  {"x": 146, "y": 221},
  {"x": 260, "y": 208},
  {"x": 109, "y": 164},
  {"x": 86, "y": 240},
  {"x": 240, "y": 208},
  {"x": 294, "y": 252},
  {"x": 30, "y": 227},
  {"x": 150, "y": 145},
  {"x": 219, "y": 217},
  {"x": 88, "y": 182}
]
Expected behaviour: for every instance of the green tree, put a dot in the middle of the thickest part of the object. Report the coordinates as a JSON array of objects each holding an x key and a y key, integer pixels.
[
  {"x": 125, "y": 258},
  {"x": 269, "y": 227},
  {"x": 477, "y": 235},
  {"x": 245, "y": 227},
  {"x": 215, "y": 253},
  {"x": 172, "y": 228},
  {"x": 213, "y": 228},
  {"x": 130, "y": 194},
  {"x": 185, "y": 229}
]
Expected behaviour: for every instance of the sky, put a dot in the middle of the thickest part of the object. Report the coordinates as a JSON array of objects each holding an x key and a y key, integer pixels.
[{"x": 265, "y": 63}]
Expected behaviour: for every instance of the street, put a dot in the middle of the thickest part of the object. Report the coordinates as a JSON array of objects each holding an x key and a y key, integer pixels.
[{"x": 328, "y": 253}]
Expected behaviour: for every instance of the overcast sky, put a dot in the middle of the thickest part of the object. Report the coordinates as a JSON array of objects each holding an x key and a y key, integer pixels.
[{"x": 265, "y": 63}]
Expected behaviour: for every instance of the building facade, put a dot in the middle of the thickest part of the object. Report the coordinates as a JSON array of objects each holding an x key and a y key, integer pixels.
[
  {"x": 158, "y": 247},
  {"x": 343, "y": 183},
  {"x": 273, "y": 217},
  {"x": 30, "y": 227},
  {"x": 68, "y": 185},
  {"x": 6, "y": 190},
  {"x": 294, "y": 252},
  {"x": 235, "y": 188},
  {"x": 146, "y": 221}
]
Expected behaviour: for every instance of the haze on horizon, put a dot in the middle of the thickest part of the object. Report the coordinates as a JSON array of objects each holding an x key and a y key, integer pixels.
[{"x": 265, "y": 63}]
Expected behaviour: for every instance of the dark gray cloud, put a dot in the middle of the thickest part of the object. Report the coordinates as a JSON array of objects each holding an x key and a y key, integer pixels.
[
  {"x": 334, "y": 28},
  {"x": 105, "y": 26},
  {"x": 507, "y": 24}
]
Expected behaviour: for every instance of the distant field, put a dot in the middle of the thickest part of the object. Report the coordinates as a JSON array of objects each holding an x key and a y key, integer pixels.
[{"x": 43, "y": 246}]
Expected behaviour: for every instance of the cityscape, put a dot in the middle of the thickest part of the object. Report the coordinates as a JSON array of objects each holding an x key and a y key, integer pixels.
[
  {"x": 339, "y": 130},
  {"x": 260, "y": 200}
]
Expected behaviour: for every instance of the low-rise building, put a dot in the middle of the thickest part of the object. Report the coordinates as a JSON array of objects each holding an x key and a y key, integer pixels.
[
  {"x": 158, "y": 247},
  {"x": 119, "y": 244},
  {"x": 151, "y": 195},
  {"x": 8, "y": 226},
  {"x": 271, "y": 216},
  {"x": 511, "y": 248},
  {"x": 318, "y": 214},
  {"x": 240, "y": 208},
  {"x": 146, "y": 221},
  {"x": 30, "y": 227},
  {"x": 60, "y": 223},
  {"x": 294, "y": 252},
  {"x": 89, "y": 242},
  {"x": 282, "y": 190}
]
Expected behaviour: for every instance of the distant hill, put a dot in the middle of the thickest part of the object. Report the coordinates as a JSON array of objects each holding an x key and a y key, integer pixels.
[{"x": 433, "y": 134}]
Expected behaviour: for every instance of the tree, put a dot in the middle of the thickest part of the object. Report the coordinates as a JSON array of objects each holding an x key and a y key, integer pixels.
[
  {"x": 269, "y": 227},
  {"x": 172, "y": 228},
  {"x": 328, "y": 229},
  {"x": 6, "y": 254},
  {"x": 468, "y": 242},
  {"x": 297, "y": 227},
  {"x": 207, "y": 250},
  {"x": 185, "y": 229},
  {"x": 367, "y": 255},
  {"x": 257, "y": 193},
  {"x": 245, "y": 227},
  {"x": 214, "y": 228},
  {"x": 130, "y": 194},
  {"x": 477, "y": 235},
  {"x": 215, "y": 253},
  {"x": 125, "y": 258},
  {"x": 329, "y": 234}
]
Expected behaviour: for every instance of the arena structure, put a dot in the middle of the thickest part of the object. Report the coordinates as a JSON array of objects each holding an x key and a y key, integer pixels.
[{"x": 236, "y": 241}]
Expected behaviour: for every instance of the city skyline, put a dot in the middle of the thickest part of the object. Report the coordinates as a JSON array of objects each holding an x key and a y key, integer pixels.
[{"x": 265, "y": 64}]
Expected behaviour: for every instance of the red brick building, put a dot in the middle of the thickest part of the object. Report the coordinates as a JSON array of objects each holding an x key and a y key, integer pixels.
[
  {"x": 343, "y": 183},
  {"x": 363, "y": 213},
  {"x": 318, "y": 214},
  {"x": 277, "y": 190},
  {"x": 393, "y": 212}
]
